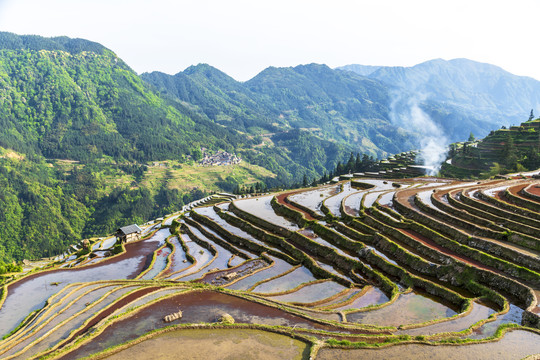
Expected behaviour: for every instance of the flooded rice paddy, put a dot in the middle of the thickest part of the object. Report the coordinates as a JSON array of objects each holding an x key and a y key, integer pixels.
[
  {"x": 286, "y": 282},
  {"x": 311, "y": 293},
  {"x": 261, "y": 208},
  {"x": 117, "y": 299},
  {"x": 30, "y": 293},
  {"x": 514, "y": 345},
  {"x": 312, "y": 199},
  {"x": 279, "y": 267},
  {"x": 409, "y": 308},
  {"x": 207, "y": 344}
]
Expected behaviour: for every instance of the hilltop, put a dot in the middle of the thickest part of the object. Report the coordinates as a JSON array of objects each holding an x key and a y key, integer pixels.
[{"x": 513, "y": 149}]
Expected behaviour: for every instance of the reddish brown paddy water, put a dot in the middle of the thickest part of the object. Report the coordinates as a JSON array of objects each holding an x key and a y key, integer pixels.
[
  {"x": 197, "y": 307},
  {"x": 534, "y": 190}
]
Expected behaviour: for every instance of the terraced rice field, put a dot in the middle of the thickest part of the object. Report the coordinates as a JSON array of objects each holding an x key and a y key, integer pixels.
[{"x": 418, "y": 268}]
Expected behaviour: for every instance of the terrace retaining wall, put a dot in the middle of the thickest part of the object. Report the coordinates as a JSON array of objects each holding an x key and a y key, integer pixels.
[
  {"x": 530, "y": 319},
  {"x": 498, "y": 211},
  {"x": 496, "y": 231},
  {"x": 525, "y": 203},
  {"x": 509, "y": 207},
  {"x": 473, "y": 242},
  {"x": 528, "y": 242},
  {"x": 259, "y": 221}
]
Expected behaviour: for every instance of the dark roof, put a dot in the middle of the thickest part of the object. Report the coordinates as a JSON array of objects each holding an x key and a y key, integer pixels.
[{"x": 129, "y": 229}]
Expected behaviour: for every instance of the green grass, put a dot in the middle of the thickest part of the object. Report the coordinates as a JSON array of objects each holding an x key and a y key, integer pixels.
[{"x": 185, "y": 177}]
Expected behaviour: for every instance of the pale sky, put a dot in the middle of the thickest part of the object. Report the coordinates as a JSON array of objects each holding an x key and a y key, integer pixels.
[{"x": 242, "y": 37}]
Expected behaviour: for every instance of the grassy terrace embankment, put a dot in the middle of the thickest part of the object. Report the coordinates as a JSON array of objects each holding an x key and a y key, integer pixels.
[{"x": 359, "y": 264}]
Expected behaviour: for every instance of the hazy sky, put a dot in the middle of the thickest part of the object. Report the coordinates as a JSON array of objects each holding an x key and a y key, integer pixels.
[{"x": 243, "y": 37}]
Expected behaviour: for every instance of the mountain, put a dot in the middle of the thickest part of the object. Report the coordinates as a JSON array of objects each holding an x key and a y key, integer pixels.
[
  {"x": 83, "y": 105},
  {"x": 364, "y": 70},
  {"x": 216, "y": 95},
  {"x": 10, "y": 41},
  {"x": 87, "y": 146},
  {"x": 481, "y": 91},
  {"x": 341, "y": 107},
  {"x": 74, "y": 103},
  {"x": 373, "y": 109}
]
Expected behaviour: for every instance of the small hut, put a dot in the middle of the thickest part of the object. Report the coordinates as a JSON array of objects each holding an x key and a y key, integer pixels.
[{"x": 129, "y": 233}]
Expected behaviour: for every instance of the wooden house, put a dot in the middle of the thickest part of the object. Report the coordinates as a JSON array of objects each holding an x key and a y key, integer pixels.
[{"x": 129, "y": 233}]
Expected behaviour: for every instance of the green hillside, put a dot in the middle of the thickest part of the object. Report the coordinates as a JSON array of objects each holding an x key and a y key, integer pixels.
[
  {"x": 80, "y": 134},
  {"x": 505, "y": 150},
  {"x": 86, "y": 105},
  {"x": 332, "y": 105}
]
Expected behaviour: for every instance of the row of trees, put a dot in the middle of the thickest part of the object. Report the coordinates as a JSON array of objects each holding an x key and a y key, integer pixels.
[
  {"x": 356, "y": 163},
  {"x": 257, "y": 188}
]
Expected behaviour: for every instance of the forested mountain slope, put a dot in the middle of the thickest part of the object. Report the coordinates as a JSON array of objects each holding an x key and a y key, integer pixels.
[
  {"x": 80, "y": 136},
  {"x": 342, "y": 107},
  {"x": 368, "y": 107},
  {"x": 85, "y": 105}
]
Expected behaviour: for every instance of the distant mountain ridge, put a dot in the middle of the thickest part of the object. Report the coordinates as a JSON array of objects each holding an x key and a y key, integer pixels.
[
  {"x": 333, "y": 105},
  {"x": 366, "y": 107},
  {"x": 485, "y": 91}
]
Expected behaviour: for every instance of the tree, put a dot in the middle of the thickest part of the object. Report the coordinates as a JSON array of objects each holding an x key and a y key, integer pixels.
[
  {"x": 324, "y": 178},
  {"x": 495, "y": 170},
  {"x": 350, "y": 164},
  {"x": 465, "y": 149},
  {"x": 510, "y": 153},
  {"x": 532, "y": 159},
  {"x": 358, "y": 163},
  {"x": 471, "y": 137},
  {"x": 340, "y": 169},
  {"x": 531, "y": 116},
  {"x": 452, "y": 151},
  {"x": 196, "y": 154}
]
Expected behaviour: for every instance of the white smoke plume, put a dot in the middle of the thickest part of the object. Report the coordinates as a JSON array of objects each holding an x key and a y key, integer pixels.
[{"x": 407, "y": 114}]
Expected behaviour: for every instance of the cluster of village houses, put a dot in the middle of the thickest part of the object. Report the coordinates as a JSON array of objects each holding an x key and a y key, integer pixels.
[{"x": 219, "y": 158}]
